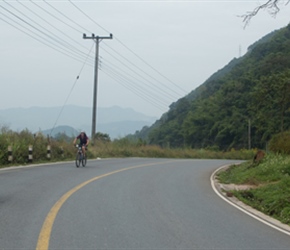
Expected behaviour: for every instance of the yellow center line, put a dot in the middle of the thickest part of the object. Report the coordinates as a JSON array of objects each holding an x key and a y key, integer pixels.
[{"x": 45, "y": 232}]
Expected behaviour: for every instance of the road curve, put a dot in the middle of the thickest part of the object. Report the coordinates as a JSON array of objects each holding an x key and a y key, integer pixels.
[
  {"x": 222, "y": 189},
  {"x": 131, "y": 203}
]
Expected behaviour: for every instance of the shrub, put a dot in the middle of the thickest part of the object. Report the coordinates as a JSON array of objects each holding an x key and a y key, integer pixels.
[
  {"x": 280, "y": 143},
  {"x": 20, "y": 142}
]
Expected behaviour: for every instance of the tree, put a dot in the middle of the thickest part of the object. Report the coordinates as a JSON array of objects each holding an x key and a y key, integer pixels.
[
  {"x": 102, "y": 137},
  {"x": 271, "y": 5},
  {"x": 271, "y": 105}
]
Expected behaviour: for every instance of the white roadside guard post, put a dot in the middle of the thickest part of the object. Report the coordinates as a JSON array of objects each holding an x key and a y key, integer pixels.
[
  {"x": 48, "y": 152},
  {"x": 30, "y": 156},
  {"x": 10, "y": 156}
]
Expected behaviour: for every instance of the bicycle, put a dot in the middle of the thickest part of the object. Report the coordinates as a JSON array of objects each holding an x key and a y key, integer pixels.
[{"x": 80, "y": 157}]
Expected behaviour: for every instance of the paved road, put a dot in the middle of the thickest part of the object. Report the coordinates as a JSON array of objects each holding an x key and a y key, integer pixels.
[{"x": 125, "y": 204}]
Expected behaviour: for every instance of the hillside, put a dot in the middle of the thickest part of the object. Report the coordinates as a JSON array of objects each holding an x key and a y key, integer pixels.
[{"x": 242, "y": 105}]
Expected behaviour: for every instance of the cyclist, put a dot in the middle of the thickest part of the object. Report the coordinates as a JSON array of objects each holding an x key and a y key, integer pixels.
[{"x": 84, "y": 141}]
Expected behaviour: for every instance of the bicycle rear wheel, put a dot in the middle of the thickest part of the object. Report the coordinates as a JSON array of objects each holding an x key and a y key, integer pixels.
[{"x": 78, "y": 160}]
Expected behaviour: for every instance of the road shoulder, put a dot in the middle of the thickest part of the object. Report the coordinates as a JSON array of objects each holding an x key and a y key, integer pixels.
[{"x": 223, "y": 191}]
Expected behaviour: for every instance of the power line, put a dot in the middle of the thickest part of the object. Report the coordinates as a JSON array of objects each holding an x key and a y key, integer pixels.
[
  {"x": 135, "y": 54},
  {"x": 133, "y": 86},
  {"x": 145, "y": 98},
  {"x": 37, "y": 37},
  {"x": 138, "y": 83},
  {"x": 70, "y": 26},
  {"x": 77, "y": 78},
  {"x": 52, "y": 36},
  {"x": 65, "y": 16},
  {"x": 147, "y": 74},
  {"x": 88, "y": 16},
  {"x": 154, "y": 86},
  {"x": 53, "y": 26},
  {"x": 143, "y": 83},
  {"x": 176, "y": 85},
  {"x": 134, "y": 65},
  {"x": 40, "y": 31},
  {"x": 165, "y": 91}
]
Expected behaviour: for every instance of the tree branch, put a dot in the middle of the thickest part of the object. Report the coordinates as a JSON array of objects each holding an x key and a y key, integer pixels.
[{"x": 271, "y": 5}]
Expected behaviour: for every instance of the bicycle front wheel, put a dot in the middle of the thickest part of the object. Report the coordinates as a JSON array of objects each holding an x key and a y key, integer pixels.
[
  {"x": 84, "y": 160},
  {"x": 78, "y": 160}
]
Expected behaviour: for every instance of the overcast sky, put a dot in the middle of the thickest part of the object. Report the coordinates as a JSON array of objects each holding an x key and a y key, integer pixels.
[{"x": 160, "y": 51}]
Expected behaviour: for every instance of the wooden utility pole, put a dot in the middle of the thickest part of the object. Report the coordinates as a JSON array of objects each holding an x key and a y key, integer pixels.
[
  {"x": 249, "y": 134},
  {"x": 94, "y": 116}
]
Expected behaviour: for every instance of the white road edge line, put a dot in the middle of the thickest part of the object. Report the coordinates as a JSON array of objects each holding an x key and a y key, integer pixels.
[
  {"x": 254, "y": 213},
  {"x": 46, "y": 164}
]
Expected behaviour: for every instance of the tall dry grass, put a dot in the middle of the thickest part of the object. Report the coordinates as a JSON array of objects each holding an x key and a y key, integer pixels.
[{"x": 64, "y": 150}]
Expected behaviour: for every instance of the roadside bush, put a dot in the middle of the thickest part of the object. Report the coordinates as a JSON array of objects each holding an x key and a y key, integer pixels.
[
  {"x": 20, "y": 142},
  {"x": 3, "y": 150},
  {"x": 273, "y": 168},
  {"x": 62, "y": 150},
  {"x": 280, "y": 143}
]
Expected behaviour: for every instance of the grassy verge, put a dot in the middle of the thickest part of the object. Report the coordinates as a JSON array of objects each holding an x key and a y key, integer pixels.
[
  {"x": 125, "y": 148},
  {"x": 272, "y": 180},
  {"x": 63, "y": 149}
]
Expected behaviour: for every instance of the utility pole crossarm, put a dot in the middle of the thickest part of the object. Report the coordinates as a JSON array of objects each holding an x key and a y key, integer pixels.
[{"x": 97, "y": 39}]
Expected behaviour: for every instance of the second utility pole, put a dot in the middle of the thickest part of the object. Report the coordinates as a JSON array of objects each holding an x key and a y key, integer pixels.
[{"x": 97, "y": 39}]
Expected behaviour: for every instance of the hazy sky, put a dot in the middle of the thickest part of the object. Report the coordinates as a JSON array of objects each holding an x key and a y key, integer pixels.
[{"x": 160, "y": 51}]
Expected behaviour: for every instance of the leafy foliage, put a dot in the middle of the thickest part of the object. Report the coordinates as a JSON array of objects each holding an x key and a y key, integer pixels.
[
  {"x": 102, "y": 137},
  {"x": 245, "y": 103},
  {"x": 21, "y": 141},
  {"x": 280, "y": 143}
]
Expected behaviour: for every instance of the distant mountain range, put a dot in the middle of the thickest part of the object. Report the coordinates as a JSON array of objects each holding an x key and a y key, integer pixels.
[{"x": 115, "y": 121}]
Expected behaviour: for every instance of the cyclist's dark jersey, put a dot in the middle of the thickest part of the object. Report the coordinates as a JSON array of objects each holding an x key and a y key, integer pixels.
[{"x": 83, "y": 140}]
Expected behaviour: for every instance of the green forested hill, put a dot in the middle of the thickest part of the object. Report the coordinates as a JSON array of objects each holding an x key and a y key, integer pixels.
[{"x": 248, "y": 98}]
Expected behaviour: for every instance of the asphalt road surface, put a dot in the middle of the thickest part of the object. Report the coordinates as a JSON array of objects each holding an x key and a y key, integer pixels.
[{"x": 131, "y": 203}]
